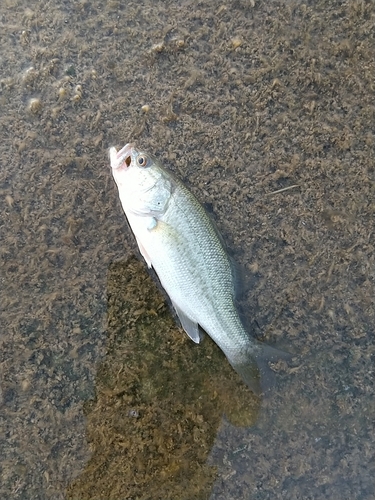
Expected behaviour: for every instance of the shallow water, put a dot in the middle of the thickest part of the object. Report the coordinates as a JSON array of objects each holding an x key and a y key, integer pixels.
[{"x": 243, "y": 100}]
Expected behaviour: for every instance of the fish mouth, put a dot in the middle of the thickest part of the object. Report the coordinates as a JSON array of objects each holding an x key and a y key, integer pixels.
[{"x": 122, "y": 158}]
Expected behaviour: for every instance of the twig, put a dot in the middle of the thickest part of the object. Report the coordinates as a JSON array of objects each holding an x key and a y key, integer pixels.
[{"x": 284, "y": 189}]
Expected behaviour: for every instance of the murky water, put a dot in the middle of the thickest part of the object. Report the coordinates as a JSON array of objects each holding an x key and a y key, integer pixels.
[{"x": 266, "y": 111}]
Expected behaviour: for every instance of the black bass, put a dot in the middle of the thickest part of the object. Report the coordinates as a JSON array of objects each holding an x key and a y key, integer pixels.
[{"x": 178, "y": 239}]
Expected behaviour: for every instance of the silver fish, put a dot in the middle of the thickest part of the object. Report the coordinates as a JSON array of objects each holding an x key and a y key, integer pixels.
[{"x": 178, "y": 239}]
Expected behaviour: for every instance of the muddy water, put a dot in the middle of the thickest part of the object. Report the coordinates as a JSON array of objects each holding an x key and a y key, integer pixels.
[{"x": 266, "y": 111}]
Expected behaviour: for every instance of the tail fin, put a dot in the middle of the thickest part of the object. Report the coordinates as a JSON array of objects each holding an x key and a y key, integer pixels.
[{"x": 256, "y": 372}]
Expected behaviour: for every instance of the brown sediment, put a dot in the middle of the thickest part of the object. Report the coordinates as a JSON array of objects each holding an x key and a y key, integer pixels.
[
  {"x": 159, "y": 401},
  {"x": 246, "y": 99}
]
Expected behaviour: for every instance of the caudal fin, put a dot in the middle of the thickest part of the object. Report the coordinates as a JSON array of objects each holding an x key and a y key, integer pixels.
[{"x": 256, "y": 372}]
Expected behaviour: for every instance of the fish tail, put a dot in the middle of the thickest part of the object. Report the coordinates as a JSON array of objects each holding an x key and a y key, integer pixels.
[{"x": 256, "y": 371}]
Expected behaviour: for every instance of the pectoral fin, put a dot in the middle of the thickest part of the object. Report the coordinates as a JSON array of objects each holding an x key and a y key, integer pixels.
[
  {"x": 144, "y": 253},
  {"x": 190, "y": 326}
]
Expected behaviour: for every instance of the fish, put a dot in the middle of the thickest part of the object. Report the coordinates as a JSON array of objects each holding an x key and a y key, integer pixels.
[{"x": 180, "y": 241}]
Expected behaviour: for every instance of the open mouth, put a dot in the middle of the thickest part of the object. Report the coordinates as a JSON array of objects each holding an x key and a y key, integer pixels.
[{"x": 121, "y": 158}]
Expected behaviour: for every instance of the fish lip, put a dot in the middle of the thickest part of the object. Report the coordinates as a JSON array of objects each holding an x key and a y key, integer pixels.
[{"x": 121, "y": 158}]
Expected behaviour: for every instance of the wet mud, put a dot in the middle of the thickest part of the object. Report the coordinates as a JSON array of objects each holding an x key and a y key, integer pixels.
[{"x": 266, "y": 111}]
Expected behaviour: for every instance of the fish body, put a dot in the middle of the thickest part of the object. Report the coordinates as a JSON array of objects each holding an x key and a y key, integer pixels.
[{"x": 178, "y": 239}]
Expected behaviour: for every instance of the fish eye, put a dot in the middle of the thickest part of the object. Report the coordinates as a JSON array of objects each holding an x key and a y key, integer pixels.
[{"x": 142, "y": 160}]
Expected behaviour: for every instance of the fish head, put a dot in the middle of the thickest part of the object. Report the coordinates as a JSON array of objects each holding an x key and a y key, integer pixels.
[{"x": 145, "y": 188}]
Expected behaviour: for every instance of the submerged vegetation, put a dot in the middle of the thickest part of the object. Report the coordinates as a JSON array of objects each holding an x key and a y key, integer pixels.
[{"x": 159, "y": 400}]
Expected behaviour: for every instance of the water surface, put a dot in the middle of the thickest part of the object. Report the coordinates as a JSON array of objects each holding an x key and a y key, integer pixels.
[{"x": 266, "y": 111}]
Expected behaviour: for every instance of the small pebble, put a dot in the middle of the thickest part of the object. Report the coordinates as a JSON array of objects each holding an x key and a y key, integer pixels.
[
  {"x": 9, "y": 200},
  {"x": 78, "y": 93},
  {"x": 34, "y": 106},
  {"x": 158, "y": 47},
  {"x": 133, "y": 413},
  {"x": 236, "y": 42},
  {"x": 62, "y": 93},
  {"x": 29, "y": 75}
]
